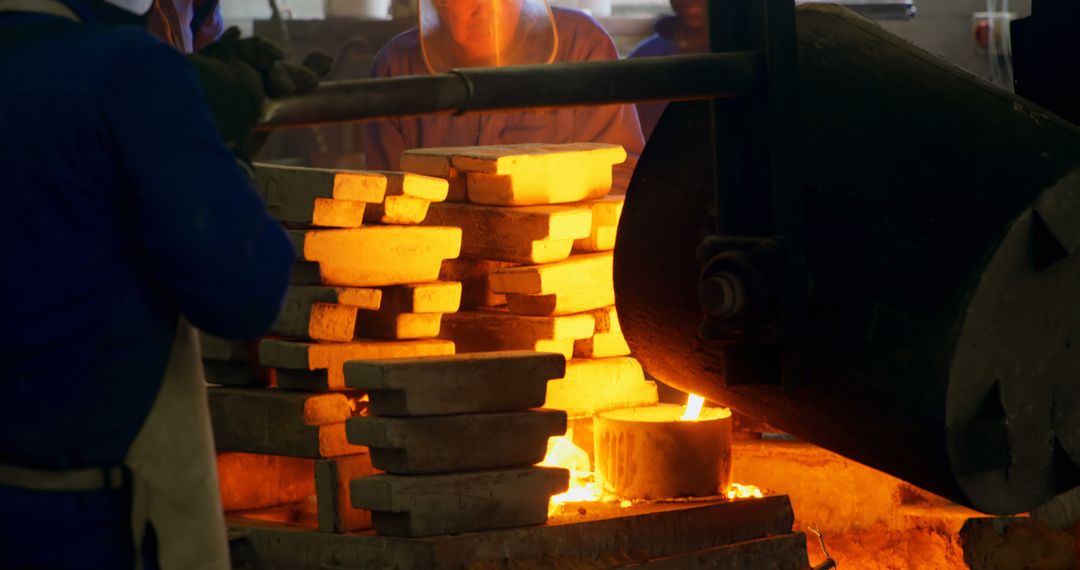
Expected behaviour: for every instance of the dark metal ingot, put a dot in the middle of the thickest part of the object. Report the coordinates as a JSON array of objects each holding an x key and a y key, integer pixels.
[
  {"x": 936, "y": 289},
  {"x": 444, "y": 444},
  {"x": 279, "y": 422},
  {"x": 429, "y": 505},
  {"x": 227, "y": 373},
  {"x": 686, "y": 535},
  {"x": 231, "y": 363},
  {"x": 458, "y": 384}
]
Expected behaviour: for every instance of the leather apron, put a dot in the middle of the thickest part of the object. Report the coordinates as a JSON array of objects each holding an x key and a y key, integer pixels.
[
  {"x": 174, "y": 470},
  {"x": 171, "y": 461}
]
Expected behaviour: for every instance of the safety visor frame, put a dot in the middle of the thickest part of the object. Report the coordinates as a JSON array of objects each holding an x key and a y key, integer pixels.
[{"x": 474, "y": 33}]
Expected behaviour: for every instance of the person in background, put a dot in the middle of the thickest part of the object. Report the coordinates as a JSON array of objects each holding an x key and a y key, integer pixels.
[
  {"x": 685, "y": 32},
  {"x": 127, "y": 219},
  {"x": 187, "y": 25},
  {"x": 471, "y": 33}
]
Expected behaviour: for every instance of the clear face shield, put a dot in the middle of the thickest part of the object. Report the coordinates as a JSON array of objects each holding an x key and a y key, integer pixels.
[{"x": 483, "y": 33}]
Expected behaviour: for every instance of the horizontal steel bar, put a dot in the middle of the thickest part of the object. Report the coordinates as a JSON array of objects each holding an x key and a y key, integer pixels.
[
  {"x": 875, "y": 9},
  {"x": 683, "y": 77}
]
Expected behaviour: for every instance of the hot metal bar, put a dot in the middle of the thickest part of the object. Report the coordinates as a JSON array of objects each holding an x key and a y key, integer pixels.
[{"x": 684, "y": 77}]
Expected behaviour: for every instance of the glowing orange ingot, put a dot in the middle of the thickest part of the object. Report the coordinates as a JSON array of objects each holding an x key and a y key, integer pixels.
[
  {"x": 535, "y": 234},
  {"x": 608, "y": 340},
  {"x": 580, "y": 283},
  {"x": 407, "y": 198},
  {"x": 605, "y": 223},
  {"x": 374, "y": 256},
  {"x": 523, "y": 174}
]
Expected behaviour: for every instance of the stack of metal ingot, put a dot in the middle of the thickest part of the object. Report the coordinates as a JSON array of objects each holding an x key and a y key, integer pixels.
[
  {"x": 365, "y": 286},
  {"x": 459, "y": 440},
  {"x": 538, "y": 234}
]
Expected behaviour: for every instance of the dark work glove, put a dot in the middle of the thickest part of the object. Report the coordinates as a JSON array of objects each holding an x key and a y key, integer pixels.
[
  {"x": 239, "y": 73},
  {"x": 234, "y": 92}
]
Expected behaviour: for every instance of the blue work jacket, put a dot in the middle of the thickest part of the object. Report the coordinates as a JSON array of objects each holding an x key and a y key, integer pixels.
[{"x": 120, "y": 211}]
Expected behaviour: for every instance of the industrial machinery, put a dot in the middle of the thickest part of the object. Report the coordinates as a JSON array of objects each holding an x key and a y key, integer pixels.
[
  {"x": 848, "y": 237},
  {"x": 938, "y": 320}
]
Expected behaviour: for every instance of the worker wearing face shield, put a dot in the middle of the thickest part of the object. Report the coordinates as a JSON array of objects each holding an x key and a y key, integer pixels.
[
  {"x": 125, "y": 218},
  {"x": 685, "y": 32},
  {"x": 472, "y": 33}
]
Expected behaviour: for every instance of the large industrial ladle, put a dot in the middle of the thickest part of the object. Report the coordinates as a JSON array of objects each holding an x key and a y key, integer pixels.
[{"x": 941, "y": 222}]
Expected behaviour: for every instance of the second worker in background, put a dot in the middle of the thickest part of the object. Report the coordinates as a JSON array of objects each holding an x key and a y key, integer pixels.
[{"x": 473, "y": 33}]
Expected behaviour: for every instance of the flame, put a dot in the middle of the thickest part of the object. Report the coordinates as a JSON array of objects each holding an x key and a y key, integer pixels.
[
  {"x": 737, "y": 491},
  {"x": 563, "y": 453},
  {"x": 693, "y": 408},
  {"x": 359, "y": 406}
]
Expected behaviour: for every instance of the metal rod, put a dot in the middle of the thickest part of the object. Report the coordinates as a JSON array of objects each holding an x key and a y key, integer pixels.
[
  {"x": 346, "y": 101},
  {"x": 673, "y": 78}
]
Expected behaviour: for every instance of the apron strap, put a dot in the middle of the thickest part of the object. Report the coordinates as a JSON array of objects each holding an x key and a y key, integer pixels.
[
  {"x": 74, "y": 480},
  {"x": 174, "y": 476},
  {"x": 140, "y": 517}
]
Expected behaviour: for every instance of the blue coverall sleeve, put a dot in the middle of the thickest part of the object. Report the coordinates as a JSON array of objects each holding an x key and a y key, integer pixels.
[{"x": 203, "y": 232}]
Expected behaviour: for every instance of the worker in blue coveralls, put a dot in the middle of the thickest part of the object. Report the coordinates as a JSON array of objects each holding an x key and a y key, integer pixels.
[
  {"x": 125, "y": 217},
  {"x": 685, "y": 32}
]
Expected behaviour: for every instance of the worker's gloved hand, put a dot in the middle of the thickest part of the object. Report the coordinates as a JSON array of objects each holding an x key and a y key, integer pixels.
[
  {"x": 234, "y": 92},
  {"x": 239, "y": 73},
  {"x": 280, "y": 78}
]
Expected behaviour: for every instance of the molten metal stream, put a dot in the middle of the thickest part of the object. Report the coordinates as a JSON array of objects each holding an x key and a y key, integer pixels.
[{"x": 692, "y": 412}]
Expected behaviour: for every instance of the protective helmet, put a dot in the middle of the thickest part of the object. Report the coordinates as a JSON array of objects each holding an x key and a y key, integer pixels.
[{"x": 474, "y": 33}]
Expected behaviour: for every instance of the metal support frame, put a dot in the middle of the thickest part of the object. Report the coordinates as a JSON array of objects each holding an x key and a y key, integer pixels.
[{"x": 758, "y": 203}]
